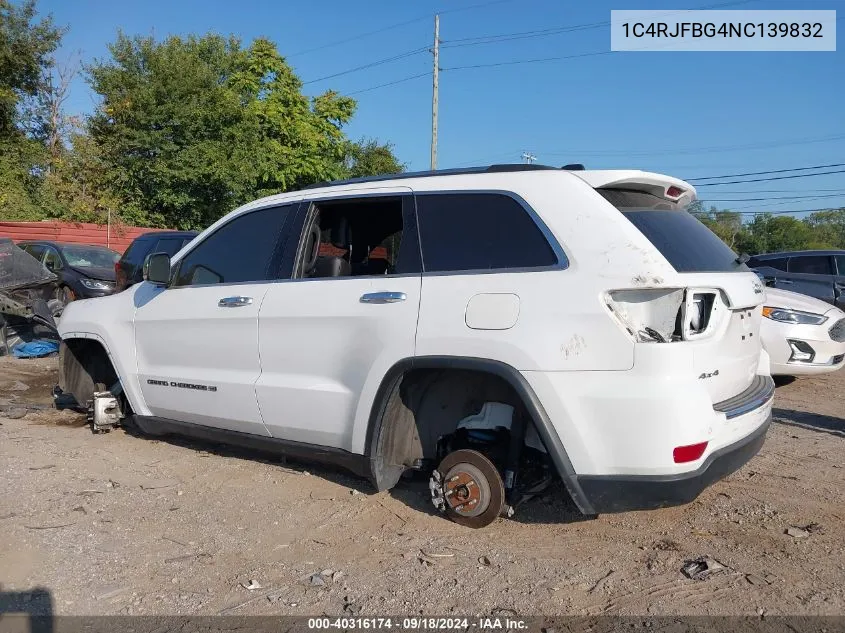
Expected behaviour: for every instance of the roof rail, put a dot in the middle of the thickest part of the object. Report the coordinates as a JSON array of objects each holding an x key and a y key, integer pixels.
[{"x": 437, "y": 172}]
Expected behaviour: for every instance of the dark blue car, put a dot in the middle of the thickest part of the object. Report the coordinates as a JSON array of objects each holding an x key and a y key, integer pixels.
[
  {"x": 819, "y": 274},
  {"x": 84, "y": 271}
]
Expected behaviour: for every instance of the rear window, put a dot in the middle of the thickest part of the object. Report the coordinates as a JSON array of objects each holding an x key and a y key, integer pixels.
[{"x": 684, "y": 241}]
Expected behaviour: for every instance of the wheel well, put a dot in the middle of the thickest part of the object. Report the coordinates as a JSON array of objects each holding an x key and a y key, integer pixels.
[
  {"x": 422, "y": 406},
  {"x": 82, "y": 364}
]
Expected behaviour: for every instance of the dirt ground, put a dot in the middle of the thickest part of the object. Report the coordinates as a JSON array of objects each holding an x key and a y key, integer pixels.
[{"x": 119, "y": 524}]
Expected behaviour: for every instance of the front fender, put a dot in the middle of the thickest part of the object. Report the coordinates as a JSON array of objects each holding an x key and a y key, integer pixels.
[{"x": 110, "y": 321}]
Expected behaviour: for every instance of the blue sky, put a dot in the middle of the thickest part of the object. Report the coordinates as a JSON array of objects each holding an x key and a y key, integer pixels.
[{"x": 688, "y": 114}]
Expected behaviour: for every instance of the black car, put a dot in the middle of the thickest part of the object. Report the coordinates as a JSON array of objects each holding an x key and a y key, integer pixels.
[
  {"x": 84, "y": 271},
  {"x": 130, "y": 268},
  {"x": 820, "y": 274}
]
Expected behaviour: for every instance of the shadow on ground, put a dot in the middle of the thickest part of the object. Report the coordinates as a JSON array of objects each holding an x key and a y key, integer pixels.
[
  {"x": 813, "y": 421},
  {"x": 552, "y": 506}
]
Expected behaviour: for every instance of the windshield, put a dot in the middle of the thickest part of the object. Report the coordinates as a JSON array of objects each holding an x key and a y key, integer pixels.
[
  {"x": 90, "y": 256},
  {"x": 684, "y": 241}
]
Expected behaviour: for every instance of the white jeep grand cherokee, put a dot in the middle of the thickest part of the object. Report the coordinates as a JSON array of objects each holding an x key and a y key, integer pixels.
[{"x": 496, "y": 328}]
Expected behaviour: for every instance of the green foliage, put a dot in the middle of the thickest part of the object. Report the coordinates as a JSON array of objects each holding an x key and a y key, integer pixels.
[
  {"x": 192, "y": 127},
  {"x": 25, "y": 49},
  {"x": 768, "y": 233},
  {"x": 371, "y": 158},
  {"x": 186, "y": 129}
]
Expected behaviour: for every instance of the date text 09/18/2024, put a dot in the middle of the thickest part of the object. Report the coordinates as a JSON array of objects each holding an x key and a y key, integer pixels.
[{"x": 417, "y": 623}]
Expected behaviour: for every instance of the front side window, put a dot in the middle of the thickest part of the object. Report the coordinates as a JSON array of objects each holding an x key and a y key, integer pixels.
[
  {"x": 810, "y": 265},
  {"x": 52, "y": 260},
  {"x": 479, "y": 231},
  {"x": 361, "y": 237},
  {"x": 840, "y": 265},
  {"x": 245, "y": 249}
]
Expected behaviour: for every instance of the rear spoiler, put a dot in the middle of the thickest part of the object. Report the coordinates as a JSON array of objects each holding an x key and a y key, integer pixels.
[{"x": 659, "y": 185}]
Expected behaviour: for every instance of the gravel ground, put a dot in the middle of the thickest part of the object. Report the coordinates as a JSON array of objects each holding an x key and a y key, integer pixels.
[{"x": 119, "y": 524}]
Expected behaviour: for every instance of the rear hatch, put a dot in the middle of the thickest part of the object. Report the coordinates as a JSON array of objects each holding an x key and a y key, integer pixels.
[{"x": 713, "y": 307}]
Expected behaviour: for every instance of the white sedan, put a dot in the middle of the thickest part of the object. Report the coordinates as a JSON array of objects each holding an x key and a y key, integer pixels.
[{"x": 803, "y": 335}]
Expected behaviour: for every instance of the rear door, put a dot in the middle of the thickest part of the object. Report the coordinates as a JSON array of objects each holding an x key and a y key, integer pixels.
[
  {"x": 197, "y": 339},
  {"x": 328, "y": 336},
  {"x": 811, "y": 275}
]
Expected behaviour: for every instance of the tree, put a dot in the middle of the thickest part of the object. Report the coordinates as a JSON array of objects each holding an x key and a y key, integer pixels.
[
  {"x": 25, "y": 49},
  {"x": 371, "y": 158},
  {"x": 192, "y": 127}
]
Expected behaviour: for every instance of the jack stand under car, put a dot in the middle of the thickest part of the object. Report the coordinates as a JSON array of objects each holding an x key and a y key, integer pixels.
[{"x": 104, "y": 411}]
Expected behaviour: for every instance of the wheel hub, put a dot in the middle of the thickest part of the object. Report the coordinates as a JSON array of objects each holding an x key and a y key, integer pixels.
[{"x": 468, "y": 488}]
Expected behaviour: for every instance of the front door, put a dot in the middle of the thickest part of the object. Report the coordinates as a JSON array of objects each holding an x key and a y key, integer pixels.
[
  {"x": 197, "y": 339},
  {"x": 328, "y": 336}
]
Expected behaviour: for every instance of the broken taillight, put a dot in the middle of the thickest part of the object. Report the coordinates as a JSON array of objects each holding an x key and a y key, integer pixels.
[{"x": 662, "y": 315}]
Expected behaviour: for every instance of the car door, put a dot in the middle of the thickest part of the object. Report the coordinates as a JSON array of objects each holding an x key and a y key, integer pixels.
[
  {"x": 197, "y": 339},
  {"x": 810, "y": 275},
  {"x": 328, "y": 336}
]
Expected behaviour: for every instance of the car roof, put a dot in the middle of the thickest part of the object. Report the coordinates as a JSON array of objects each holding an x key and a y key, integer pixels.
[
  {"x": 822, "y": 252},
  {"x": 150, "y": 235},
  {"x": 62, "y": 244}
]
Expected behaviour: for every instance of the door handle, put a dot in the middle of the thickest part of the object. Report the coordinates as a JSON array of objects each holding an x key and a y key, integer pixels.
[
  {"x": 383, "y": 297},
  {"x": 786, "y": 282},
  {"x": 234, "y": 302}
]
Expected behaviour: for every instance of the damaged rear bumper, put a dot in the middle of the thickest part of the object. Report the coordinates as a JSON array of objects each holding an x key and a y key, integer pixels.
[{"x": 621, "y": 493}]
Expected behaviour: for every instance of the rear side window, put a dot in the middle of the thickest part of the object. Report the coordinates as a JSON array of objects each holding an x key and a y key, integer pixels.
[
  {"x": 840, "y": 264},
  {"x": 810, "y": 265},
  {"x": 479, "y": 231},
  {"x": 136, "y": 252},
  {"x": 778, "y": 263},
  {"x": 244, "y": 249},
  {"x": 684, "y": 241},
  {"x": 35, "y": 250},
  {"x": 169, "y": 245}
]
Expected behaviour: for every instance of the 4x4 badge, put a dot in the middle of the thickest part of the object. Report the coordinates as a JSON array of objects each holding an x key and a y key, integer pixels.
[
  {"x": 710, "y": 375},
  {"x": 758, "y": 288}
]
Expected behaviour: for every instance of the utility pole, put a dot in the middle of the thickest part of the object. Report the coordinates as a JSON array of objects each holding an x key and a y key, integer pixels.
[
  {"x": 434, "y": 93},
  {"x": 528, "y": 157}
]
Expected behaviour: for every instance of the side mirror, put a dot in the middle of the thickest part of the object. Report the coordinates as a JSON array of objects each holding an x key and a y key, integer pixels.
[
  {"x": 50, "y": 265},
  {"x": 157, "y": 269}
]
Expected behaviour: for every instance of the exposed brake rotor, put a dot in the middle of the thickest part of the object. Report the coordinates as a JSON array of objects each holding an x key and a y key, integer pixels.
[{"x": 468, "y": 488}]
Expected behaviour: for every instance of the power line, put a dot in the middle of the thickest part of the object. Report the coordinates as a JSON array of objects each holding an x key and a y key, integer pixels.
[
  {"x": 390, "y": 27},
  {"x": 358, "y": 37},
  {"x": 378, "y": 62},
  {"x": 762, "y": 173},
  {"x": 812, "y": 197},
  {"x": 529, "y": 61},
  {"x": 773, "y": 212},
  {"x": 390, "y": 83},
  {"x": 507, "y": 37},
  {"x": 700, "y": 150},
  {"x": 736, "y": 182},
  {"x": 782, "y": 191}
]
